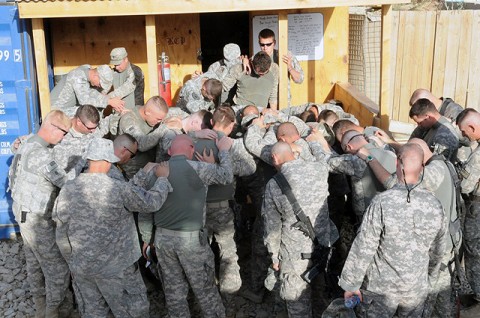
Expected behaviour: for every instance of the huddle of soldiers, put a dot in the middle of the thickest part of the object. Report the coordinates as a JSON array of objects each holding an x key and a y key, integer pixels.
[{"x": 94, "y": 194}]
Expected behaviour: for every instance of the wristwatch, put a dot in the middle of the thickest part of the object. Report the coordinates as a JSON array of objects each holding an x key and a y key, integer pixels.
[{"x": 369, "y": 158}]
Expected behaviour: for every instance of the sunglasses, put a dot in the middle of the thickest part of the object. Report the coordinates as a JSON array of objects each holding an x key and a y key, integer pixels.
[
  {"x": 265, "y": 44},
  {"x": 59, "y": 128},
  {"x": 132, "y": 154},
  {"x": 89, "y": 128}
]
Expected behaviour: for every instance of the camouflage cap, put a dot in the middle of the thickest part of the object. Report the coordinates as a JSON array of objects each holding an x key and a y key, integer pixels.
[
  {"x": 231, "y": 51},
  {"x": 247, "y": 120},
  {"x": 117, "y": 55},
  {"x": 101, "y": 149},
  {"x": 106, "y": 76}
]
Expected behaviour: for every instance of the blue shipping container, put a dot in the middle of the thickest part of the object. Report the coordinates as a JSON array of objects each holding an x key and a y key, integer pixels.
[{"x": 18, "y": 100}]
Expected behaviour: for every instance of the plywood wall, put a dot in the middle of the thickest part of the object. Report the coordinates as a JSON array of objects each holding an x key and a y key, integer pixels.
[
  {"x": 321, "y": 76},
  {"x": 77, "y": 41}
]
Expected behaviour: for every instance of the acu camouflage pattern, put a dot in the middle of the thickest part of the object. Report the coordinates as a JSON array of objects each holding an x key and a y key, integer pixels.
[
  {"x": 124, "y": 86},
  {"x": 450, "y": 109},
  {"x": 398, "y": 250},
  {"x": 191, "y": 99},
  {"x": 284, "y": 242}
]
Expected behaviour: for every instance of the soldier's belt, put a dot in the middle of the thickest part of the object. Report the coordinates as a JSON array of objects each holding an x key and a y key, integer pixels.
[
  {"x": 221, "y": 204},
  {"x": 189, "y": 234}
]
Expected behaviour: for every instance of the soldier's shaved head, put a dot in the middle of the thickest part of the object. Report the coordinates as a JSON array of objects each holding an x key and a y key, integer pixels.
[
  {"x": 421, "y": 93},
  {"x": 468, "y": 121},
  {"x": 281, "y": 153},
  {"x": 287, "y": 132},
  {"x": 343, "y": 125},
  {"x": 182, "y": 145},
  {"x": 250, "y": 110},
  {"x": 352, "y": 140},
  {"x": 427, "y": 153},
  {"x": 410, "y": 162}
]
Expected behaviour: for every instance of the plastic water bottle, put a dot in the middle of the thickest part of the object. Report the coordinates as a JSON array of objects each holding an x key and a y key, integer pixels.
[{"x": 352, "y": 301}]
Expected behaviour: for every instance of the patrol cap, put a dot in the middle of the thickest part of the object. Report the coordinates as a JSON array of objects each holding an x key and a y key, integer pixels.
[
  {"x": 117, "y": 55},
  {"x": 106, "y": 76},
  {"x": 247, "y": 120},
  {"x": 231, "y": 52},
  {"x": 101, "y": 149}
]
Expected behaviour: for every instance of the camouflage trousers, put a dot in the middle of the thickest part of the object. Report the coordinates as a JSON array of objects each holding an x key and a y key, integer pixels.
[
  {"x": 48, "y": 273},
  {"x": 186, "y": 259},
  {"x": 293, "y": 289},
  {"x": 220, "y": 224},
  {"x": 393, "y": 305},
  {"x": 472, "y": 246},
  {"x": 261, "y": 260},
  {"x": 440, "y": 302},
  {"x": 123, "y": 295}
]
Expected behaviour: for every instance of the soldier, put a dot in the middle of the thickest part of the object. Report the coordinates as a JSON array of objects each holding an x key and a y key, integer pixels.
[
  {"x": 446, "y": 106},
  {"x": 184, "y": 256},
  {"x": 286, "y": 243},
  {"x": 200, "y": 93},
  {"x": 123, "y": 77},
  {"x": 434, "y": 129},
  {"x": 125, "y": 148},
  {"x": 231, "y": 57},
  {"x": 260, "y": 88},
  {"x": 34, "y": 179},
  {"x": 85, "y": 85},
  {"x": 96, "y": 234},
  {"x": 400, "y": 244},
  {"x": 468, "y": 121}
]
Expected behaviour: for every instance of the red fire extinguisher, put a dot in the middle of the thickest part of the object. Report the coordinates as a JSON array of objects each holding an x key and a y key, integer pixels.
[{"x": 164, "y": 83}]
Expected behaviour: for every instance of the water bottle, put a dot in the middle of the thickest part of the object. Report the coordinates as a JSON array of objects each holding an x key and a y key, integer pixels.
[{"x": 351, "y": 302}]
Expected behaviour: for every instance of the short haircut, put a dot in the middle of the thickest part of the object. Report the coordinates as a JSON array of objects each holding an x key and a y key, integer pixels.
[
  {"x": 342, "y": 125},
  {"x": 88, "y": 113},
  {"x": 57, "y": 117},
  {"x": 307, "y": 116},
  {"x": 464, "y": 114},
  {"x": 422, "y": 107},
  {"x": 287, "y": 129},
  {"x": 224, "y": 116},
  {"x": 124, "y": 140},
  {"x": 410, "y": 156},
  {"x": 158, "y": 102},
  {"x": 249, "y": 110},
  {"x": 213, "y": 87},
  {"x": 206, "y": 118},
  {"x": 261, "y": 62},
  {"x": 266, "y": 33},
  {"x": 327, "y": 114}
]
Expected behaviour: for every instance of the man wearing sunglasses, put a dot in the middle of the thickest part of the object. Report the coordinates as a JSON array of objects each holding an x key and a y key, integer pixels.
[{"x": 34, "y": 179}]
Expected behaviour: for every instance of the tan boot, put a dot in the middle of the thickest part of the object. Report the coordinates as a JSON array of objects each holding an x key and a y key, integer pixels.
[{"x": 40, "y": 306}]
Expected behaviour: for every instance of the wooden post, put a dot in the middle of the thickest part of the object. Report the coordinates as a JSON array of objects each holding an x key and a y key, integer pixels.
[
  {"x": 282, "y": 50},
  {"x": 41, "y": 65},
  {"x": 152, "y": 57},
  {"x": 385, "y": 73}
]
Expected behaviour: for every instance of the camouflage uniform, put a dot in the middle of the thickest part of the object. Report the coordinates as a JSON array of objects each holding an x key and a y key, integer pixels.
[
  {"x": 442, "y": 138},
  {"x": 398, "y": 251},
  {"x": 124, "y": 87},
  {"x": 450, "y": 109},
  {"x": 147, "y": 137},
  {"x": 297, "y": 110},
  {"x": 191, "y": 99},
  {"x": 286, "y": 243},
  {"x": 296, "y": 66},
  {"x": 34, "y": 181},
  {"x": 184, "y": 256},
  {"x": 470, "y": 174},
  {"x": 75, "y": 89},
  {"x": 98, "y": 238}
]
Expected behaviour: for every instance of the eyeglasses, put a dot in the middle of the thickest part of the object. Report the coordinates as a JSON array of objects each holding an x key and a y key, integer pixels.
[
  {"x": 349, "y": 140},
  {"x": 132, "y": 154},
  {"x": 265, "y": 44},
  {"x": 59, "y": 128},
  {"x": 89, "y": 128}
]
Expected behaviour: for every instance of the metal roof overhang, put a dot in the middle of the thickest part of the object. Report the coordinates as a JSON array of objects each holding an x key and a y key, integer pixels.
[{"x": 94, "y": 8}]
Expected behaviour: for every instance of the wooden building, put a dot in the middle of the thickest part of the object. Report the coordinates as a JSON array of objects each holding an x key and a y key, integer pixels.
[{"x": 84, "y": 32}]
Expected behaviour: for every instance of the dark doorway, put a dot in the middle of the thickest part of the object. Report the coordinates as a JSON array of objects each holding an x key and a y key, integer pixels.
[{"x": 218, "y": 29}]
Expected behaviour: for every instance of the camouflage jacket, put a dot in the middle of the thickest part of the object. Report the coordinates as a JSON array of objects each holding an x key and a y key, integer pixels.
[{"x": 191, "y": 99}]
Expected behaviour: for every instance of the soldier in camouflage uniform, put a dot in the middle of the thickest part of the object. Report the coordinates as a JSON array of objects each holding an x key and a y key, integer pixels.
[
  {"x": 434, "y": 129},
  {"x": 98, "y": 237},
  {"x": 200, "y": 93},
  {"x": 34, "y": 179},
  {"x": 123, "y": 77},
  {"x": 468, "y": 122},
  {"x": 400, "y": 244},
  {"x": 181, "y": 242},
  {"x": 85, "y": 85},
  {"x": 446, "y": 106},
  {"x": 231, "y": 57},
  {"x": 284, "y": 241}
]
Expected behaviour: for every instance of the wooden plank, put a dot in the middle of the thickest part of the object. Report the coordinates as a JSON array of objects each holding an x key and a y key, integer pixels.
[
  {"x": 425, "y": 80},
  {"x": 410, "y": 64},
  {"x": 465, "y": 44},
  {"x": 57, "y": 9},
  {"x": 356, "y": 103},
  {"x": 393, "y": 62},
  {"x": 451, "y": 61},
  {"x": 399, "y": 67},
  {"x": 282, "y": 50},
  {"x": 439, "y": 57},
  {"x": 386, "y": 65},
  {"x": 179, "y": 37},
  {"x": 38, "y": 32},
  {"x": 473, "y": 95},
  {"x": 151, "y": 39}
]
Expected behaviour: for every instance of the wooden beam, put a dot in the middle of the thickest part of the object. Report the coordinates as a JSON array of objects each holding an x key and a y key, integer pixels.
[
  {"x": 152, "y": 55},
  {"x": 385, "y": 73},
  {"x": 38, "y": 32},
  {"x": 57, "y": 9},
  {"x": 282, "y": 49},
  {"x": 356, "y": 103}
]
